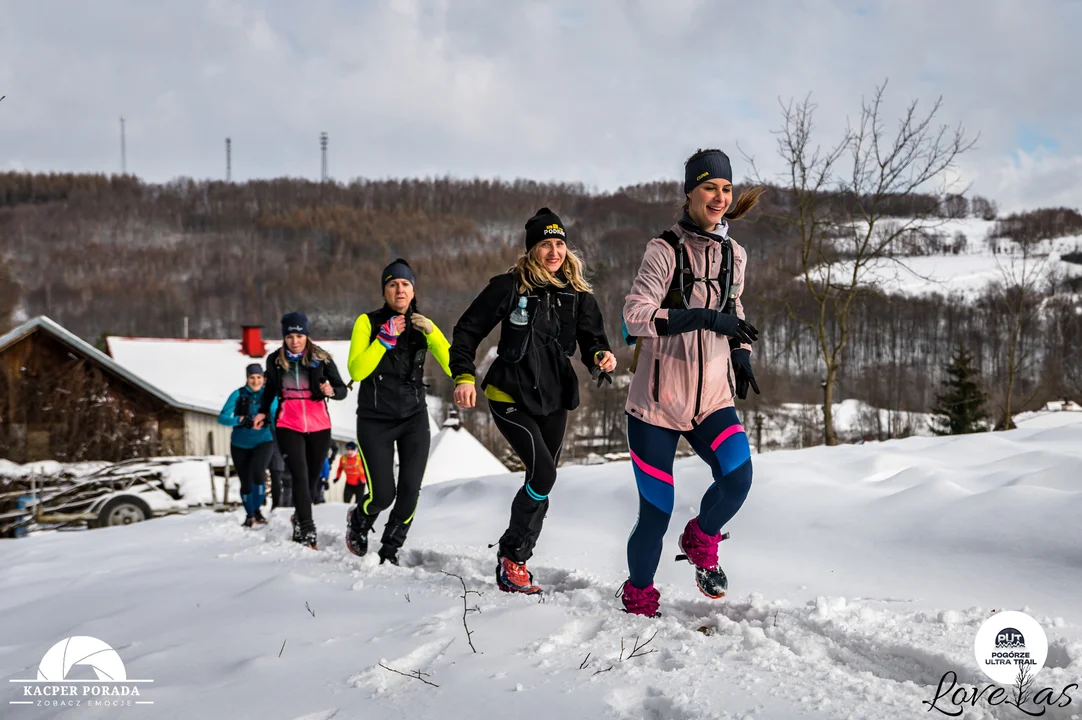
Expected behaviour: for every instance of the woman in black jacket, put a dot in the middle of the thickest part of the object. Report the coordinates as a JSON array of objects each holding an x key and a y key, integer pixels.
[
  {"x": 302, "y": 376},
  {"x": 544, "y": 307}
]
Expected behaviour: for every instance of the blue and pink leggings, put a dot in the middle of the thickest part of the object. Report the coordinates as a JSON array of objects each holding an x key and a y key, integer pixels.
[{"x": 721, "y": 442}]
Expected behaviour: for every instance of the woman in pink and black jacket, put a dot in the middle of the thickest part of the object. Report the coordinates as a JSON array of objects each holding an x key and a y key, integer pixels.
[
  {"x": 302, "y": 376},
  {"x": 694, "y": 359}
]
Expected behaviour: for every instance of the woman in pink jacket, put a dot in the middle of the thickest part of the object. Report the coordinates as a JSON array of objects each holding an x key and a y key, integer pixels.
[
  {"x": 694, "y": 360},
  {"x": 303, "y": 377}
]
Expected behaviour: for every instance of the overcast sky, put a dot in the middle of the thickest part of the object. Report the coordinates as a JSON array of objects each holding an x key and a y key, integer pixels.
[{"x": 606, "y": 92}]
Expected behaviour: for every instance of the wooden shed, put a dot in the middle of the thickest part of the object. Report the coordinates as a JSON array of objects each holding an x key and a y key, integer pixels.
[{"x": 63, "y": 399}]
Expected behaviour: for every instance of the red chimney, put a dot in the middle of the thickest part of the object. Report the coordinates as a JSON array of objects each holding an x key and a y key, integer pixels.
[{"x": 251, "y": 341}]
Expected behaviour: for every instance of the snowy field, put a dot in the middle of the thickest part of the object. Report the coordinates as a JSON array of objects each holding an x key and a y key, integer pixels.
[
  {"x": 784, "y": 426},
  {"x": 969, "y": 272},
  {"x": 858, "y": 577}
]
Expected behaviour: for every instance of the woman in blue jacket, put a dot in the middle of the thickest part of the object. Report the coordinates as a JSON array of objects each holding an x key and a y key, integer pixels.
[{"x": 251, "y": 449}]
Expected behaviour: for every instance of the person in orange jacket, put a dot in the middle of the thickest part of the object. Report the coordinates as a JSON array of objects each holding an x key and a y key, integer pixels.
[{"x": 352, "y": 464}]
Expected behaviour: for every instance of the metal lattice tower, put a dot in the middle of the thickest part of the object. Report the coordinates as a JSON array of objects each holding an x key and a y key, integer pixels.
[
  {"x": 123, "y": 150},
  {"x": 323, "y": 151}
]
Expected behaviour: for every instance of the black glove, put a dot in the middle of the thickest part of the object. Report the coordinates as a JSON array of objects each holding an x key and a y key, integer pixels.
[
  {"x": 600, "y": 376},
  {"x": 247, "y": 422},
  {"x": 734, "y": 327},
  {"x": 317, "y": 391},
  {"x": 744, "y": 376}
]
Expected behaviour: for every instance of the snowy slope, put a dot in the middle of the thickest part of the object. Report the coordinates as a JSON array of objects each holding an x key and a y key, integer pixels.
[
  {"x": 454, "y": 449},
  {"x": 967, "y": 273},
  {"x": 858, "y": 575},
  {"x": 784, "y": 426},
  {"x": 1054, "y": 414}
]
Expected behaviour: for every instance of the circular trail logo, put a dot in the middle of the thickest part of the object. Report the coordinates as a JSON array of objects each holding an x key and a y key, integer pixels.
[
  {"x": 1009, "y": 645},
  {"x": 81, "y": 650}
]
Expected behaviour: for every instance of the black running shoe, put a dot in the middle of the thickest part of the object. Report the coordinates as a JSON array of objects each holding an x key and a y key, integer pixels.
[{"x": 357, "y": 529}]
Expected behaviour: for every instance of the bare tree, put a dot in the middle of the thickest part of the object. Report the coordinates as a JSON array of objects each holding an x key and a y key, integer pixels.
[
  {"x": 1023, "y": 276},
  {"x": 983, "y": 208},
  {"x": 955, "y": 206},
  {"x": 843, "y": 195},
  {"x": 1023, "y": 684}
]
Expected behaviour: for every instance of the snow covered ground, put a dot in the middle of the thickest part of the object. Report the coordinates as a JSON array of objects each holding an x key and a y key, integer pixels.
[
  {"x": 858, "y": 574},
  {"x": 969, "y": 272},
  {"x": 456, "y": 452},
  {"x": 1053, "y": 414}
]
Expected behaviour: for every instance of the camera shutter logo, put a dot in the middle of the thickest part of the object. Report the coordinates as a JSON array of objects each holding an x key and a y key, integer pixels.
[
  {"x": 1007, "y": 642},
  {"x": 111, "y": 686},
  {"x": 82, "y": 650}
]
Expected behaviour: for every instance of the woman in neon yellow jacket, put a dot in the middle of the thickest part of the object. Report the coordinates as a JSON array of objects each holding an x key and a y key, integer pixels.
[{"x": 387, "y": 358}]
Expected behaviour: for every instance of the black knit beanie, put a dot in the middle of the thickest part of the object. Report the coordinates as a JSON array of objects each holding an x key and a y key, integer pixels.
[
  {"x": 398, "y": 270},
  {"x": 543, "y": 225},
  {"x": 711, "y": 165}
]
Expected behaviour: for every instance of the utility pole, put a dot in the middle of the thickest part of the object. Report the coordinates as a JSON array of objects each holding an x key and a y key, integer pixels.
[
  {"x": 323, "y": 149},
  {"x": 123, "y": 150}
]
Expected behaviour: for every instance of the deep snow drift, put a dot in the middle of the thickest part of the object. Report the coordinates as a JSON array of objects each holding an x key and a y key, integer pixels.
[{"x": 858, "y": 576}]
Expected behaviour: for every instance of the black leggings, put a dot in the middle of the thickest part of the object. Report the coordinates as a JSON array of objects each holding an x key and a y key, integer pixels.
[
  {"x": 537, "y": 440},
  {"x": 251, "y": 464},
  {"x": 376, "y": 440},
  {"x": 277, "y": 467},
  {"x": 304, "y": 453},
  {"x": 276, "y": 487},
  {"x": 352, "y": 493}
]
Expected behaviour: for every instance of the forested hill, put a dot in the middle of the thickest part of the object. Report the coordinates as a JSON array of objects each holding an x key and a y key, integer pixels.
[{"x": 113, "y": 254}]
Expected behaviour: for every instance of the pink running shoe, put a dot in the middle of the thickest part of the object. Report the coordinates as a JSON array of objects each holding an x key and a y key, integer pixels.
[
  {"x": 640, "y": 601},
  {"x": 701, "y": 550}
]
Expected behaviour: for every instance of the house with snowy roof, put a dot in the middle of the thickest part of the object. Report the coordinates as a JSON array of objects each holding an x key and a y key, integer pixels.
[{"x": 202, "y": 373}]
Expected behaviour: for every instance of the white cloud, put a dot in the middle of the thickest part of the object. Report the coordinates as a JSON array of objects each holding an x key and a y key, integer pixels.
[
  {"x": 607, "y": 92},
  {"x": 1038, "y": 178}
]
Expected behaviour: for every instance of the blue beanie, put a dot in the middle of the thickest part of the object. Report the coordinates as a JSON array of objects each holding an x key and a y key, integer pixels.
[
  {"x": 294, "y": 322},
  {"x": 706, "y": 165}
]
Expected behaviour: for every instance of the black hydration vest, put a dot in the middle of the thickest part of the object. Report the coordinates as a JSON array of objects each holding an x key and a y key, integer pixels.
[
  {"x": 395, "y": 390},
  {"x": 683, "y": 278},
  {"x": 683, "y": 282}
]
